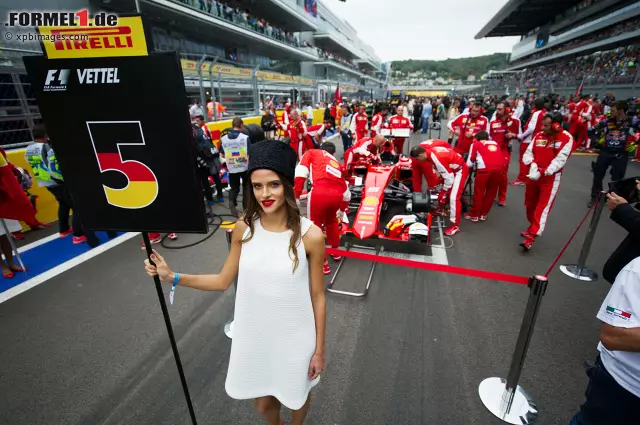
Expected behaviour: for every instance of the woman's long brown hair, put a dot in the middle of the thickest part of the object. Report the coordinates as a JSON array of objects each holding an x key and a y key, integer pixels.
[{"x": 293, "y": 216}]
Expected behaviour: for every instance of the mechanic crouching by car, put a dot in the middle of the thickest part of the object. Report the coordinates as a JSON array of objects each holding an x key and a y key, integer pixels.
[
  {"x": 330, "y": 194},
  {"x": 367, "y": 148},
  {"x": 454, "y": 172},
  {"x": 618, "y": 142},
  {"x": 425, "y": 168}
]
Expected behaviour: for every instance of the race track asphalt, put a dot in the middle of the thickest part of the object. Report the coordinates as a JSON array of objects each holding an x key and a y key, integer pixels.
[{"x": 89, "y": 346}]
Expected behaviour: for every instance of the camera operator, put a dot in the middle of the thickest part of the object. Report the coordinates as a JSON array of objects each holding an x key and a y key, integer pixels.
[
  {"x": 629, "y": 218},
  {"x": 618, "y": 142}
]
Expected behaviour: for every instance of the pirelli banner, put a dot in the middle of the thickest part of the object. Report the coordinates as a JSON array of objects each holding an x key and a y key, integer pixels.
[{"x": 122, "y": 135}]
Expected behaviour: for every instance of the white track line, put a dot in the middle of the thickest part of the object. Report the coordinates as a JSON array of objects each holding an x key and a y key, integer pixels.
[
  {"x": 41, "y": 278},
  {"x": 39, "y": 242}
]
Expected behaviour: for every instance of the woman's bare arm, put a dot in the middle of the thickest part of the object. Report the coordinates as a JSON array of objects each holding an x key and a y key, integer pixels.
[
  {"x": 314, "y": 245},
  {"x": 206, "y": 282}
]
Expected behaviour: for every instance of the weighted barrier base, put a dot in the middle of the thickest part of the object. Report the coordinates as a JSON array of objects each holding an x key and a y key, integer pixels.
[
  {"x": 228, "y": 329},
  {"x": 523, "y": 410},
  {"x": 574, "y": 271}
]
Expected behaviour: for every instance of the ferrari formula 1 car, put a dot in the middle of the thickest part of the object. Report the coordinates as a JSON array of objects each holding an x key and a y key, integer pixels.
[{"x": 382, "y": 204}]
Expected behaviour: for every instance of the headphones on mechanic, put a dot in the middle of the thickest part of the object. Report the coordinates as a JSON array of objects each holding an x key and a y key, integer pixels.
[
  {"x": 507, "y": 107},
  {"x": 556, "y": 122}
]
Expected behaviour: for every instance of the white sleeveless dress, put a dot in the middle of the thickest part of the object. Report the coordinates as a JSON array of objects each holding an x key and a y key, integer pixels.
[{"x": 274, "y": 332}]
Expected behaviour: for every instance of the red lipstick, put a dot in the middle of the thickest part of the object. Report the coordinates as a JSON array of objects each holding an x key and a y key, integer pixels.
[{"x": 267, "y": 203}]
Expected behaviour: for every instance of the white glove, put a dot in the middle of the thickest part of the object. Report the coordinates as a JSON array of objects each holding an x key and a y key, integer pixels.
[{"x": 534, "y": 174}]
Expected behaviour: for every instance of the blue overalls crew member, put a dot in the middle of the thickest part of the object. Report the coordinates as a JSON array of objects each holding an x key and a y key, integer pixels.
[{"x": 618, "y": 142}]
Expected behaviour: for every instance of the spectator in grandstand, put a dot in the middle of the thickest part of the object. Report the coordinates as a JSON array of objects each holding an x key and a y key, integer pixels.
[
  {"x": 278, "y": 346},
  {"x": 613, "y": 392}
]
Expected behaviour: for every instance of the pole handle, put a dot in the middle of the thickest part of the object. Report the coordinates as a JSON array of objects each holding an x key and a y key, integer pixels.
[{"x": 172, "y": 339}]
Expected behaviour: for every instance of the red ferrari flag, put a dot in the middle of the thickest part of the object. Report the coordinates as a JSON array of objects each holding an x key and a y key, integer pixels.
[
  {"x": 579, "y": 89},
  {"x": 14, "y": 203},
  {"x": 337, "y": 96}
]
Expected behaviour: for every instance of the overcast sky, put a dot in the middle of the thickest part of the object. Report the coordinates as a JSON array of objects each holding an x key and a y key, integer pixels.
[{"x": 423, "y": 29}]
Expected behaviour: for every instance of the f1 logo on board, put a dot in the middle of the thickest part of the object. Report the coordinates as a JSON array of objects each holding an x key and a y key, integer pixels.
[{"x": 57, "y": 80}]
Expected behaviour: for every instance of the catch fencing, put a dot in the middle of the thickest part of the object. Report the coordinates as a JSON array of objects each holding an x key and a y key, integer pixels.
[
  {"x": 18, "y": 109},
  {"x": 239, "y": 88}
]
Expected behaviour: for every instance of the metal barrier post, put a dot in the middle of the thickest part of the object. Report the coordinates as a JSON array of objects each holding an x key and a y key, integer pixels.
[
  {"x": 213, "y": 91},
  {"x": 228, "y": 327},
  {"x": 256, "y": 95},
  {"x": 203, "y": 98},
  {"x": 505, "y": 398},
  {"x": 579, "y": 271},
  {"x": 219, "y": 92}
]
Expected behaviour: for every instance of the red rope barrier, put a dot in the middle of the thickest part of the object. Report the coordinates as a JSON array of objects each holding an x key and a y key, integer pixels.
[
  {"x": 571, "y": 238},
  {"x": 482, "y": 274}
]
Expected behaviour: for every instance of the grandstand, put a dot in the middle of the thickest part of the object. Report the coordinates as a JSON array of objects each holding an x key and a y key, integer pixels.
[
  {"x": 238, "y": 52},
  {"x": 566, "y": 43}
]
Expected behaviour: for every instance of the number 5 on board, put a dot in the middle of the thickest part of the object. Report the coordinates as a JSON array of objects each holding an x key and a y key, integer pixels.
[{"x": 142, "y": 185}]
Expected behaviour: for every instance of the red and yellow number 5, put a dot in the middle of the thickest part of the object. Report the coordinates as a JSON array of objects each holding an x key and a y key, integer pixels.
[{"x": 142, "y": 187}]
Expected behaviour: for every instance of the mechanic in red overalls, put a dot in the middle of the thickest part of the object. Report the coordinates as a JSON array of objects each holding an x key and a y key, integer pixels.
[
  {"x": 454, "y": 171},
  {"x": 425, "y": 168},
  {"x": 360, "y": 123},
  {"x": 466, "y": 126},
  {"x": 585, "y": 115},
  {"x": 329, "y": 194},
  {"x": 533, "y": 127},
  {"x": 297, "y": 132},
  {"x": 396, "y": 122},
  {"x": 546, "y": 156},
  {"x": 491, "y": 166},
  {"x": 378, "y": 121},
  {"x": 367, "y": 148},
  {"x": 503, "y": 129}
]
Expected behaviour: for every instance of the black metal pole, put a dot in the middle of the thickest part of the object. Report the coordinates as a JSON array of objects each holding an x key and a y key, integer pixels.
[
  {"x": 167, "y": 321},
  {"x": 591, "y": 232},
  {"x": 537, "y": 288}
]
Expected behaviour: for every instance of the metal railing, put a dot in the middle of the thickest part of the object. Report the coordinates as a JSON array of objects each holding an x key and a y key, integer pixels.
[
  {"x": 240, "y": 89},
  {"x": 219, "y": 10},
  {"x": 18, "y": 109}
]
